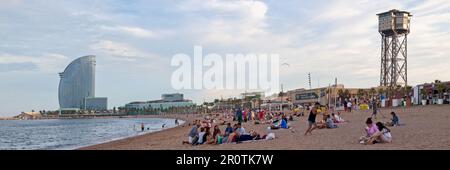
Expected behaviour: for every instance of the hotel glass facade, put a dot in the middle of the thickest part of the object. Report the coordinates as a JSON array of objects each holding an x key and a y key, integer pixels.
[{"x": 77, "y": 83}]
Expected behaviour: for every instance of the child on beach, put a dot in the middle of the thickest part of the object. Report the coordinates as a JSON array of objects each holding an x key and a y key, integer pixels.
[
  {"x": 370, "y": 131},
  {"x": 375, "y": 109},
  {"x": 395, "y": 120},
  {"x": 382, "y": 136}
]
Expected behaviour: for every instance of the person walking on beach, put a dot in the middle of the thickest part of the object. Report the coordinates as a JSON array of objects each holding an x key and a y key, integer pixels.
[
  {"x": 375, "y": 109},
  {"x": 312, "y": 119},
  {"x": 142, "y": 127},
  {"x": 345, "y": 105},
  {"x": 239, "y": 115},
  {"x": 349, "y": 106}
]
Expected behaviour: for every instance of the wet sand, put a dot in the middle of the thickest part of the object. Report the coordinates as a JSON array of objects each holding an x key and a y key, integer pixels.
[{"x": 425, "y": 127}]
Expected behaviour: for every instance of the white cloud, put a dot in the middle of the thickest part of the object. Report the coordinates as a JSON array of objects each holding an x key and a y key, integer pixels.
[
  {"x": 231, "y": 21},
  {"x": 134, "y": 31},
  {"x": 116, "y": 49},
  {"x": 46, "y": 63}
]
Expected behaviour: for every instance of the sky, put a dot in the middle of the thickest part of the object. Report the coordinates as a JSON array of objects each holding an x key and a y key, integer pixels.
[{"x": 135, "y": 40}]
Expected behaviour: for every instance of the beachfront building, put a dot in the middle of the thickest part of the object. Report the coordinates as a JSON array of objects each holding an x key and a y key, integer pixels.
[
  {"x": 77, "y": 85},
  {"x": 276, "y": 101},
  {"x": 323, "y": 95},
  {"x": 29, "y": 116},
  {"x": 96, "y": 103},
  {"x": 167, "y": 101},
  {"x": 252, "y": 99},
  {"x": 432, "y": 93}
]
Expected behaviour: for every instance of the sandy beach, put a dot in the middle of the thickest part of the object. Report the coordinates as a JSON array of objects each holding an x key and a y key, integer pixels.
[{"x": 425, "y": 127}]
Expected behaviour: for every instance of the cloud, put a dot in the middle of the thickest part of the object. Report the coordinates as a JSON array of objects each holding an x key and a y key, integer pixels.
[
  {"x": 228, "y": 22},
  {"x": 46, "y": 63},
  {"x": 116, "y": 49},
  {"x": 134, "y": 31}
]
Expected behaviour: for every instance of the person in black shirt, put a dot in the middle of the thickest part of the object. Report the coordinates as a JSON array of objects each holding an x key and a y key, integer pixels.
[{"x": 312, "y": 119}]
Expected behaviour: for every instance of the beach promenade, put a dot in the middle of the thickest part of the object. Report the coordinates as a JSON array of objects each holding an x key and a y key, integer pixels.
[{"x": 425, "y": 127}]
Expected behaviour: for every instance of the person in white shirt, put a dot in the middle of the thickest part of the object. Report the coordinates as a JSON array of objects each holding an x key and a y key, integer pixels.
[
  {"x": 349, "y": 106},
  {"x": 200, "y": 135},
  {"x": 240, "y": 129}
]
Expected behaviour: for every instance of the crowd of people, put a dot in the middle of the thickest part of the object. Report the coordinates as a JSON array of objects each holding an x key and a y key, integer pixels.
[
  {"x": 201, "y": 134},
  {"x": 216, "y": 128}
]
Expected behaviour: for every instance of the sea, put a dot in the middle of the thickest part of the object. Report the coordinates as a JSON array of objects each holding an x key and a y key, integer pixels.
[{"x": 69, "y": 134}]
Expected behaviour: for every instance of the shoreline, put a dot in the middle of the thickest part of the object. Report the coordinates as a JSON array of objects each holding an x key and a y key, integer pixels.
[
  {"x": 124, "y": 138},
  {"x": 432, "y": 122},
  {"x": 87, "y": 117},
  {"x": 171, "y": 116}
]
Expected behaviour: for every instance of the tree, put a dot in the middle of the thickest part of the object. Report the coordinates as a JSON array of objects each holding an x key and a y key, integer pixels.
[
  {"x": 360, "y": 93},
  {"x": 346, "y": 93},
  {"x": 424, "y": 93},
  {"x": 340, "y": 93},
  {"x": 372, "y": 92},
  {"x": 408, "y": 90},
  {"x": 441, "y": 88}
]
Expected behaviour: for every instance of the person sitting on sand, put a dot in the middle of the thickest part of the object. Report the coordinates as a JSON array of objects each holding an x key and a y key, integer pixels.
[
  {"x": 330, "y": 123},
  {"x": 395, "y": 120},
  {"x": 240, "y": 129},
  {"x": 229, "y": 129},
  {"x": 201, "y": 136},
  {"x": 208, "y": 137},
  {"x": 336, "y": 118},
  {"x": 275, "y": 125},
  {"x": 193, "y": 133},
  {"x": 370, "y": 131},
  {"x": 382, "y": 136},
  {"x": 217, "y": 135}
]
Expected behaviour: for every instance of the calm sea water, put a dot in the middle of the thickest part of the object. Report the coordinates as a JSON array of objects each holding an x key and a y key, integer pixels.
[{"x": 73, "y": 133}]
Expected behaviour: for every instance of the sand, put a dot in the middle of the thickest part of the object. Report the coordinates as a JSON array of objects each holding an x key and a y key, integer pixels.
[{"x": 425, "y": 127}]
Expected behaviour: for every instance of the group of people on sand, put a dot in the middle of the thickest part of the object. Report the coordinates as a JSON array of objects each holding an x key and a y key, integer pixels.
[
  {"x": 208, "y": 131},
  {"x": 328, "y": 121},
  {"x": 378, "y": 132},
  {"x": 201, "y": 134},
  {"x": 375, "y": 133}
]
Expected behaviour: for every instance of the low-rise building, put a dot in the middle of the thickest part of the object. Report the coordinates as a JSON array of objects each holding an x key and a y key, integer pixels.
[
  {"x": 167, "y": 101},
  {"x": 96, "y": 103}
]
